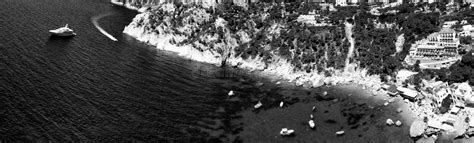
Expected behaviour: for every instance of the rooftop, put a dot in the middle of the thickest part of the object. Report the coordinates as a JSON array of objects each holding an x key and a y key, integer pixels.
[
  {"x": 434, "y": 124},
  {"x": 433, "y": 35},
  {"x": 430, "y": 46},
  {"x": 408, "y": 92},
  {"x": 467, "y": 28},
  {"x": 447, "y": 30}
]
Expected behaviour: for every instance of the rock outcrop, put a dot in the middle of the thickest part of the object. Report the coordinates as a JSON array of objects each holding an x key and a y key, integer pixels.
[
  {"x": 389, "y": 122},
  {"x": 417, "y": 128}
]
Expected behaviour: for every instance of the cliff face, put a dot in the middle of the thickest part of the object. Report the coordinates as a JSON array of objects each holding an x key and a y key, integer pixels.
[
  {"x": 149, "y": 3},
  {"x": 266, "y": 38}
]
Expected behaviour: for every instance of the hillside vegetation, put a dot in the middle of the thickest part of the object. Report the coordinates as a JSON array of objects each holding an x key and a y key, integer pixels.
[{"x": 268, "y": 34}]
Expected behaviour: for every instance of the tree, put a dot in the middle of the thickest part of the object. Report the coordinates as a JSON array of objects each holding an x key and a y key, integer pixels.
[
  {"x": 416, "y": 67},
  {"x": 462, "y": 70},
  {"x": 465, "y": 40}
]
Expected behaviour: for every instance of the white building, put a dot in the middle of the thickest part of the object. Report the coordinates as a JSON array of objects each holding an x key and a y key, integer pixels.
[
  {"x": 448, "y": 24},
  {"x": 438, "y": 50},
  {"x": 341, "y": 2},
  {"x": 467, "y": 30}
]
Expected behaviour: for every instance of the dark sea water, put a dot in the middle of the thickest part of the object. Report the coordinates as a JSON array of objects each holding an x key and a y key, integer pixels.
[{"x": 91, "y": 88}]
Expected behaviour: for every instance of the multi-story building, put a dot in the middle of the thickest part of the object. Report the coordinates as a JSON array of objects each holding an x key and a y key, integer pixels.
[
  {"x": 427, "y": 1},
  {"x": 438, "y": 50},
  {"x": 341, "y": 2}
]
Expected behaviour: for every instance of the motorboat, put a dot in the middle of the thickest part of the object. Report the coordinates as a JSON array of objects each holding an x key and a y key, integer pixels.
[
  {"x": 286, "y": 132},
  {"x": 231, "y": 93},
  {"x": 63, "y": 32},
  {"x": 340, "y": 133},
  {"x": 324, "y": 93},
  {"x": 311, "y": 124},
  {"x": 258, "y": 105}
]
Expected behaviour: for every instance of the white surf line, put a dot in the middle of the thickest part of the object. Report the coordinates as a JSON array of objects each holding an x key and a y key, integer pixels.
[{"x": 96, "y": 24}]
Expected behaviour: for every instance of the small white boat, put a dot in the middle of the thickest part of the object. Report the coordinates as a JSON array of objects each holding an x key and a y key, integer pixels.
[
  {"x": 281, "y": 104},
  {"x": 339, "y": 133},
  {"x": 286, "y": 132},
  {"x": 231, "y": 93},
  {"x": 311, "y": 124},
  {"x": 63, "y": 32},
  {"x": 258, "y": 105},
  {"x": 324, "y": 93}
]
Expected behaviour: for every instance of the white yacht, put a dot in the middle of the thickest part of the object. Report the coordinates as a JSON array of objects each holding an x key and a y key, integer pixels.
[
  {"x": 286, "y": 132},
  {"x": 63, "y": 32}
]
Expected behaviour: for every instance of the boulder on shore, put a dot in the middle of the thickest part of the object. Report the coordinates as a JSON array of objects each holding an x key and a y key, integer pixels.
[
  {"x": 417, "y": 128},
  {"x": 398, "y": 123},
  {"x": 399, "y": 110},
  {"x": 318, "y": 83},
  {"x": 389, "y": 122}
]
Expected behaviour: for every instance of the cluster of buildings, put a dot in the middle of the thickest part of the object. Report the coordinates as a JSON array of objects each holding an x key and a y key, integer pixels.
[
  {"x": 336, "y": 2},
  {"x": 443, "y": 107},
  {"x": 452, "y": 118},
  {"x": 207, "y": 3},
  {"x": 347, "y": 2}
]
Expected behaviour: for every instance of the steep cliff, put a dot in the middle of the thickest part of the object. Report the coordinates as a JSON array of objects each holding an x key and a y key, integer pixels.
[{"x": 267, "y": 37}]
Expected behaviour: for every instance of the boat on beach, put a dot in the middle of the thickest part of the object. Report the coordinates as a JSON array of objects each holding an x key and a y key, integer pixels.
[{"x": 63, "y": 32}]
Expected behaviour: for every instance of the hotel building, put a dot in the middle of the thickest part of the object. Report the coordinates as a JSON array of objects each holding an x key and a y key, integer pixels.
[{"x": 438, "y": 50}]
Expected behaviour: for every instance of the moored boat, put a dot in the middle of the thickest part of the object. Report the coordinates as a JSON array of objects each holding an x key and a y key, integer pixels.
[{"x": 286, "y": 132}]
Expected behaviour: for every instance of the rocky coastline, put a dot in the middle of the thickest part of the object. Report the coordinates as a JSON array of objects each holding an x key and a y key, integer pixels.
[
  {"x": 207, "y": 37},
  {"x": 126, "y": 5},
  {"x": 278, "y": 67}
]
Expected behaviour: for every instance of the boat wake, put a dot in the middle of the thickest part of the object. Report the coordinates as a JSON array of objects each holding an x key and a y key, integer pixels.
[{"x": 95, "y": 20}]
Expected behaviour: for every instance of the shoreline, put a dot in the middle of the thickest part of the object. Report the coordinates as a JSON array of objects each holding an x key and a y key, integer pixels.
[
  {"x": 278, "y": 70},
  {"x": 128, "y": 6}
]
